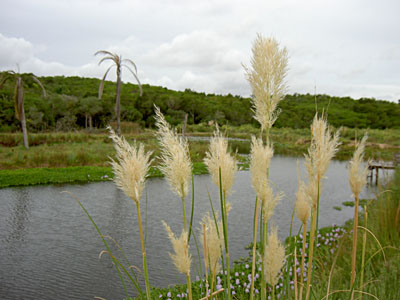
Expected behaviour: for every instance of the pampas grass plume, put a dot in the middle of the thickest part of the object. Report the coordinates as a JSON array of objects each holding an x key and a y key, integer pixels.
[
  {"x": 218, "y": 158},
  {"x": 303, "y": 203},
  {"x": 131, "y": 167},
  {"x": 274, "y": 257},
  {"x": 181, "y": 257},
  {"x": 269, "y": 201},
  {"x": 267, "y": 79},
  {"x": 177, "y": 166},
  {"x": 357, "y": 174},
  {"x": 323, "y": 147},
  {"x": 214, "y": 241},
  {"x": 260, "y": 159}
]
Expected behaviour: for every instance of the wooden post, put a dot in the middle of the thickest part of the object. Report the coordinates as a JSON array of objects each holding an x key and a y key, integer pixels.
[{"x": 377, "y": 175}]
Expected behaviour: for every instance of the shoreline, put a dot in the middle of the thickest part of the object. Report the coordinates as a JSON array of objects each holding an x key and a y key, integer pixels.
[{"x": 80, "y": 174}]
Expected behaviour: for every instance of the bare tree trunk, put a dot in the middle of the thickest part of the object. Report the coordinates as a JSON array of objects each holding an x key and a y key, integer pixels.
[
  {"x": 118, "y": 103},
  {"x": 90, "y": 123},
  {"x": 20, "y": 107},
  {"x": 23, "y": 126},
  {"x": 86, "y": 117},
  {"x": 184, "y": 125}
]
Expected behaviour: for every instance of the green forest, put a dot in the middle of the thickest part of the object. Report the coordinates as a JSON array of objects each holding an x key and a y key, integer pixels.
[{"x": 72, "y": 103}]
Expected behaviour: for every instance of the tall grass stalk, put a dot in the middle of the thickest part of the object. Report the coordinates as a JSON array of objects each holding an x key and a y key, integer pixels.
[
  {"x": 205, "y": 256},
  {"x": 253, "y": 264},
  {"x": 364, "y": 244},
  {"x": 181, "y": 256},
  {"x": 273, "y": 259},
  {"x": 322, "y": 149},
  {"x": 130, "y": 172},
  {"x": 267, "y": 80},
  {"x": 296, "y": 296},
  {"x": 222, "y": 167},
  {"x": 357, "y": 180},
  {"x": 225, "y": 229},
  {"x": 146, "y": 273},
  {"x": 176, "y": 164},
  {"x": 303, "y": 253},
  {"x": 302, "y": 208}
]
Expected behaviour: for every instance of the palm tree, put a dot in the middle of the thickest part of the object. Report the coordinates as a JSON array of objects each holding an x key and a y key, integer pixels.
[
  {"x": 118, "y": 63},
  {"x": 19, "y": 98}
]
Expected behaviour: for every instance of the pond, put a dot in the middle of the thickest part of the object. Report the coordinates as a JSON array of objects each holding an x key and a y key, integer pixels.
[{"x": 49, "y": 249}]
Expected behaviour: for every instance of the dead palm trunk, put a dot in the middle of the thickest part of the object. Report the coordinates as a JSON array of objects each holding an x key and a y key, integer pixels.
[
  {"x": 118, "y": 101},
  {"x": 20, "y": 112},
  {"x": 118, "y": 63},
  {"x": 19, "y": 100}
]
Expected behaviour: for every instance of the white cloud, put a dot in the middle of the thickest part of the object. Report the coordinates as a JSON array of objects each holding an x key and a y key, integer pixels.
[
  {"x": 345, "y": 48},
  {"x": 14, "y": 51},
  {"x": 198, "y": 49}
]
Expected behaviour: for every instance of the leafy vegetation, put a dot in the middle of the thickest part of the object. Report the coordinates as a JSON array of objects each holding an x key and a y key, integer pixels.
[
  {"x": 81, "y": 174},
  {"x": 71, "y": 102}
]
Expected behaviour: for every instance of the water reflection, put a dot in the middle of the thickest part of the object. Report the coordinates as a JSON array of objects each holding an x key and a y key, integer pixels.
[{"x": 19, "y": 217}]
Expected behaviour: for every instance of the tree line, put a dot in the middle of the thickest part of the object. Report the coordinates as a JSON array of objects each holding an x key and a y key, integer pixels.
[{"x": 72, "y": 103}]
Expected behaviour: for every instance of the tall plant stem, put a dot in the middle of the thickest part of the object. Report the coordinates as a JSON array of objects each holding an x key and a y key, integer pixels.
[
  {"x": 184, "y": 213},
  {"x": 253, "y": 266},
  {"x": 227, "y": 251},
  {"x": 294, "y": 270},
  {"x": 311, "y": 251},
  {"x": 273, "y": 292},
  {"x": 313, "y": 229},
  {"x": 354, "y": 249},
  {"x": 146, "y": 274},
  {"x": 264, "y": 242},
  {"x": 288, "y": 263},
  {"x": 363, "y": 248},
  {"x": 303, "y": 253},
  {"x": 205, "y": 256},
  {"x": 222, "y": 195},
  {"x": 189, "y": 284}
]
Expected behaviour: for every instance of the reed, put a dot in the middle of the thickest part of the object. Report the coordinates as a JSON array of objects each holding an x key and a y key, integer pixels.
[
  {"x": 273, "y": 259},
  {"x": 303, "y": 210},
  {"x": 176, "y": 164},
  {"x": 322, "y": 149},
  {"x": 213, "y": 244},
  {"x": 357, "y": 180},
  {"x": 222, "y": 167},
  {"x": 267, "y": 80},
  {"x": 130, "y": 170},
  {"x": 181, "y": 258}
]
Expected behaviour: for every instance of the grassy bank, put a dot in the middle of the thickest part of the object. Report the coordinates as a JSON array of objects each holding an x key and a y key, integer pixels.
[
  {"x": 83, "y": 156},
  {"x": 54, "y": 150}
]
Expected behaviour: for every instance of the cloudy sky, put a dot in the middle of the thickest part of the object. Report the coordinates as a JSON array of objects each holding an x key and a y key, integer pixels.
[{"x": 340, "y": 47}]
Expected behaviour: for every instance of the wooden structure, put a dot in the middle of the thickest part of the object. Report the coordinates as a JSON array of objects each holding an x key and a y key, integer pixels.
[{"x": 376, "y": 165}]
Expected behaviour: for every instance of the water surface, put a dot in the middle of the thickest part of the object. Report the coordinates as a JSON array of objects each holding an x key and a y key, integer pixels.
[{"x": 49, "y": 249}]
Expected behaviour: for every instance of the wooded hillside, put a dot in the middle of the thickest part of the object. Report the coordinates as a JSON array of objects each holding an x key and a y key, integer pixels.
[{"x": 72, "y": 103}]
